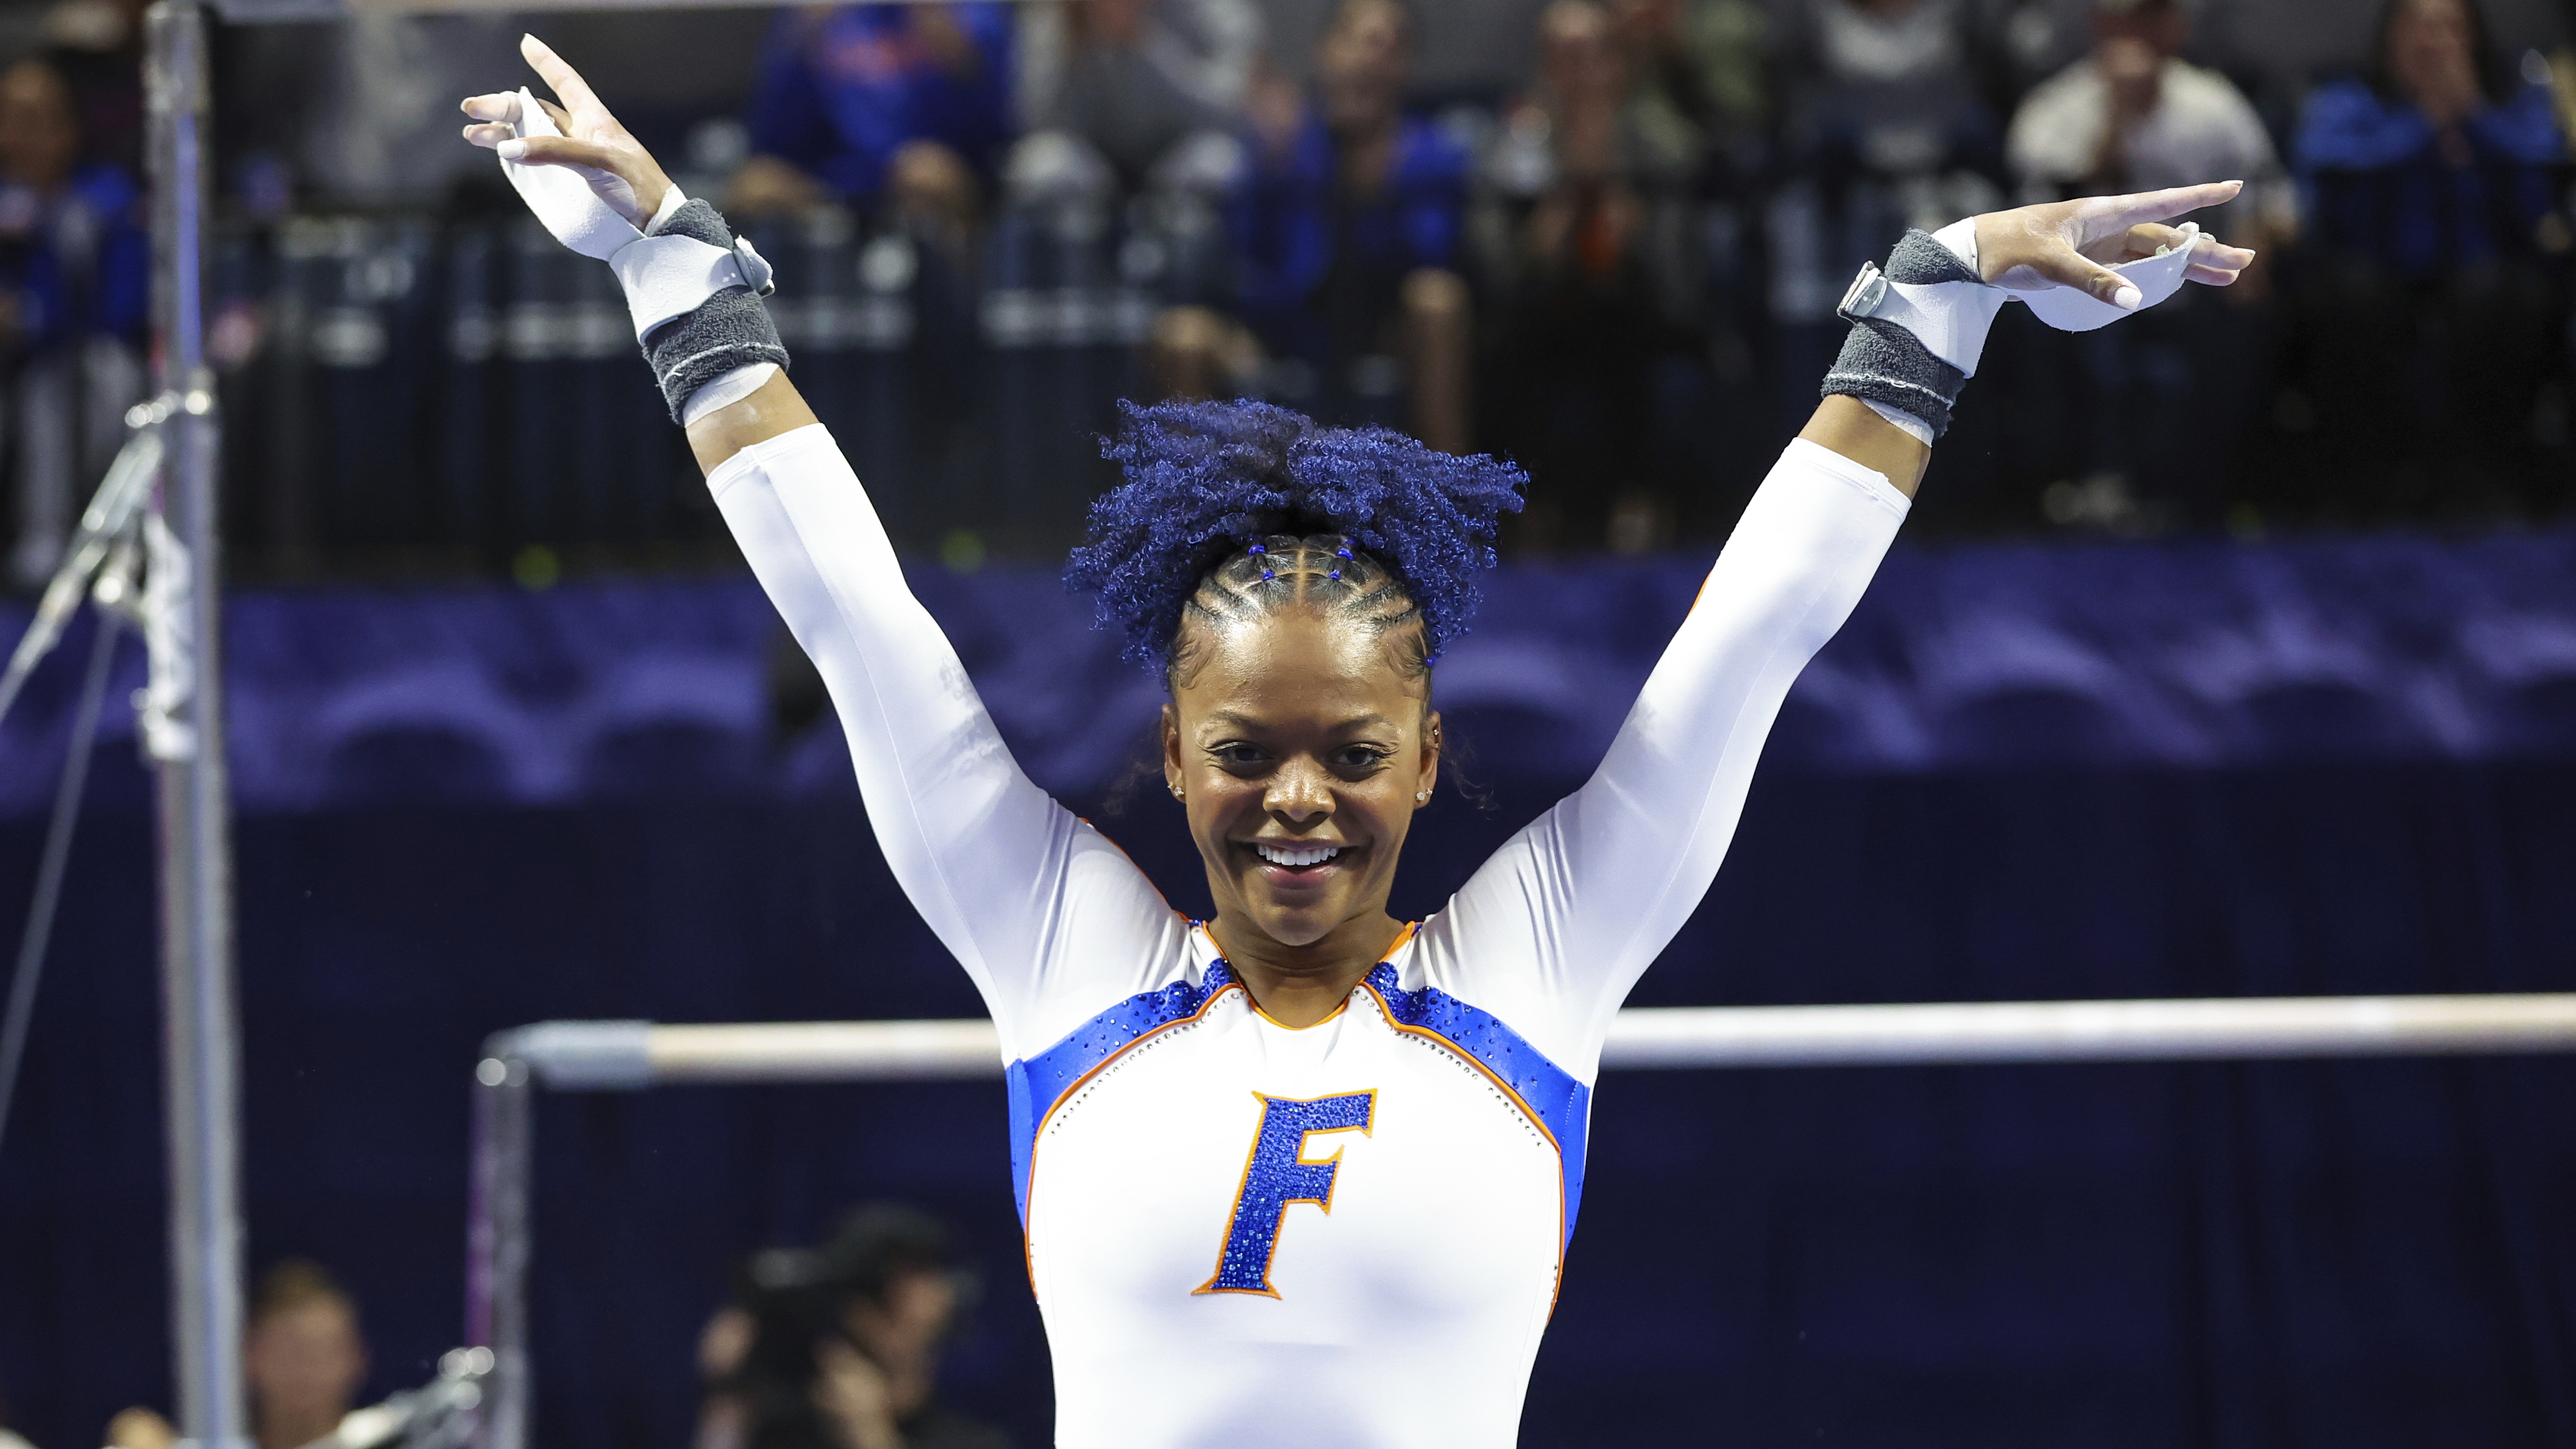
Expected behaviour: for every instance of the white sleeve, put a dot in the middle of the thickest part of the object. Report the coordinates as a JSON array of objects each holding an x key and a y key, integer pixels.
[
  {"x": 1050, "y": 918},
  {"x": 1549, "y": 934}
]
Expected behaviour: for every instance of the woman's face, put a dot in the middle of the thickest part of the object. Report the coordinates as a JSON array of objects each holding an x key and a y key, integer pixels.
[
  {"x": 1300, "y": 750},
  {"x": 2429, "y": 55}
]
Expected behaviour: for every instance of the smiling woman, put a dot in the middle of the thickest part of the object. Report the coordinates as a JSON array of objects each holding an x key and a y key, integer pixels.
[{"x": 1182, "y": 1086}]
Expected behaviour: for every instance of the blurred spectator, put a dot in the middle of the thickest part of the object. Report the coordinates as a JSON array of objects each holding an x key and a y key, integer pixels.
[
  {"x": 1894, "y": 88},
  {"x": 1346, "y": 236},
  {"x": 141, "y": 1429},
  {"x": 302, "y": 1355},
  {"x": 2434, "y": 300},
  {"x": 909, "y": 104},
  {"x": 839, "y": 1348},
  {"x": 1590, "y": 269},
  {"x": 75, "y": 291},
  {"x": 302, "y": 1360},
  {"x": 1695, "y": 71},
  {"x": 2141, "y": 424},
  {"x": 1134, "y": 77},
  {"x": 2444, "y": 158},
  {"x": 2135, "y": 116},
  {"x": 98, "y": 46}
]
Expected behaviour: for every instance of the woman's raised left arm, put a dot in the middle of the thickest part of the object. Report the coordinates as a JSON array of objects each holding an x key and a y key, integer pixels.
[{"x": 1557, "y": 926}]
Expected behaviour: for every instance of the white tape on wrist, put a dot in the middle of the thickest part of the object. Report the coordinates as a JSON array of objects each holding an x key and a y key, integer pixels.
[
  {"x": 566, "y": 198},
  {"x": 1905, "y": 422},
  {"x": 727, "y": 390}
]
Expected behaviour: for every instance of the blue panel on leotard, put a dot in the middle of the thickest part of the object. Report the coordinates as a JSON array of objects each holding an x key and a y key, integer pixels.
[
  {"x": 1562, "y": 1105},
  {"x": 1039, "y": 1082}
]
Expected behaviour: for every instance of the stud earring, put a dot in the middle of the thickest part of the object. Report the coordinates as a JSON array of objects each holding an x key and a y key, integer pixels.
[
  {"x": 1177, "y": 795},
  {"x": 1422, "y": 797}
]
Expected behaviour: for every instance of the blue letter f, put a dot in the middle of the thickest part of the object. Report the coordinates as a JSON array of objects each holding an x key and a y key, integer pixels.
[{"x": 1278, "y": 1173}]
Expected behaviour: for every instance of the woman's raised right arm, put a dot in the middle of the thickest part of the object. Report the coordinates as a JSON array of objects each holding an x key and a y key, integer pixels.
[
  {"x": 1031, "y": 900},
  {"x": 1051, "y": 920}
]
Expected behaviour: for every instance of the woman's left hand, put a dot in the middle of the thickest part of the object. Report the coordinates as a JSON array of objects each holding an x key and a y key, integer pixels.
[{"x": 2076, "y": 243}]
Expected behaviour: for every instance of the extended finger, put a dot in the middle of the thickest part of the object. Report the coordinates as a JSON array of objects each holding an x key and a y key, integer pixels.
[
  {"x": 2120, "y": 212},
  {"x": 490, "y": 136},
  {"x": 2064, "y": 264},
  {"x": 562, "y": 119},
  {"x": 2146, "y": 239},
  {"x": 2221, "y": 256},
  {"x": 566, "y": 81},
  {"x": 557, "y": 151},
  {"x": 502, "y": 107}
]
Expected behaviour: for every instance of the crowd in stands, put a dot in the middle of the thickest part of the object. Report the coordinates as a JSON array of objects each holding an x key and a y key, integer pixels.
[
  {"x": 1619, "y": 266},
  {"x": 833, "y": 1347}
]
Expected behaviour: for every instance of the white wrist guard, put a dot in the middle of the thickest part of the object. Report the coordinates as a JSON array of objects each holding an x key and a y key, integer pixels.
[
  {"x": 666, "y": 274},
  {"x": 1917, "y": 331},
  {"x": 1919, "y": 327},
  {"x": 672, "y": 275}
]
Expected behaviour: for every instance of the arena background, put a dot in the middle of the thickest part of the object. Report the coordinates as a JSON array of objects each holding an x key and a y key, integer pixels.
[{"x": 516, "y": 740}]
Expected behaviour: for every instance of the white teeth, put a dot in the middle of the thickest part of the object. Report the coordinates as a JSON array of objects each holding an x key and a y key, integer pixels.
[{"x": 1296, "y": 854}]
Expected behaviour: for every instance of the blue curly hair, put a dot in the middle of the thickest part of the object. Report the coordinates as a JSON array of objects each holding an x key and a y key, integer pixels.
[{"x": 1231, "y": 509}]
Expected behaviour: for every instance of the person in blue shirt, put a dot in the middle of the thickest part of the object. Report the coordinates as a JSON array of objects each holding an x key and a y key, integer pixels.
[
  {"x": 1346, "y": 232},
  {"x": 861, "y": 103},
  {"x": 2438, "y": 159},
  {"x": 75, "y": 296},
  {"x": 2432, "y": 284}
]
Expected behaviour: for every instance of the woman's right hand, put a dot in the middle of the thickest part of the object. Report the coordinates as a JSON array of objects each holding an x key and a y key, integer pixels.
[{"x": 621, "y": 173}]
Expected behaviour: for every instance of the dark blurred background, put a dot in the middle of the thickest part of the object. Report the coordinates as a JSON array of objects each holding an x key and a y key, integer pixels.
[
  {"x": 2232, "y": 650},
  {"x": 1605, "y": 239}
]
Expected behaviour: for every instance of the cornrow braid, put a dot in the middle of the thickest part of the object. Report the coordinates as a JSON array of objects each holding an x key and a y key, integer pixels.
[
  {"x": 1321, "y": 571},
  {"x": 1232, "y": 505}
]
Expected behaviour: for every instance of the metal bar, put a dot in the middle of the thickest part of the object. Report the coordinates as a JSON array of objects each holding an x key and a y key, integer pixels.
[
  {"x": 2239, "y": 1028},
  {"x": 621, "y": 1055},
  {"x": 498, "y": 1238},
  {"x": 184, "y": 733},
  {"x": 814, "y": 1051}
]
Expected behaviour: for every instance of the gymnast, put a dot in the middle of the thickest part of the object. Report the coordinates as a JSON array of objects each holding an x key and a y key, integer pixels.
[{"x": 1298, "y": 1173}]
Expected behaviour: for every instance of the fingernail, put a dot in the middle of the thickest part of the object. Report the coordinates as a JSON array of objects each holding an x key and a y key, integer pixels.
[
  {"x": 515, "y": 150},
  {"x": 2126, "y": 299}
]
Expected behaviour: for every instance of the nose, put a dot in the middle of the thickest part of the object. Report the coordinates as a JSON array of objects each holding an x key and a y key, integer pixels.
[{"x": 1299, "y": 792}]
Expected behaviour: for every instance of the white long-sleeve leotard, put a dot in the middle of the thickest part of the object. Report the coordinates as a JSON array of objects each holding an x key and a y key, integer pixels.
[{"x": 1347, "y": 1235}]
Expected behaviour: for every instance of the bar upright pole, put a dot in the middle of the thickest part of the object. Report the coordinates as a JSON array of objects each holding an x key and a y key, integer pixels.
[{"x": 182, "y": 730}]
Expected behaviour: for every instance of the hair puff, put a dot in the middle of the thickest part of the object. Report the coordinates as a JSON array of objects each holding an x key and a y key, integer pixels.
[{"x": 1204, "y": 480}]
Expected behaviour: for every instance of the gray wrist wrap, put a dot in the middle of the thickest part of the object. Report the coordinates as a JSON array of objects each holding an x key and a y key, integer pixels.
[
  {"x": 1883, "y": 362},
  {"x": 731, "y": 329}
]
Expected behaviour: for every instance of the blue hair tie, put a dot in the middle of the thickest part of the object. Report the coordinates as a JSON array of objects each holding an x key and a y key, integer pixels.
[
  {"x": 1336, "y": 576},
  {"x": 1343, "y": 552},
  {"x": 1259, "y": 549},
  {"x": 1267, "y": 576}
]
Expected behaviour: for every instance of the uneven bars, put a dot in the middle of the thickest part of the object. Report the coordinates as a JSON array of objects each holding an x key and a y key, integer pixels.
[{"x": 630, "y": 1054}]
